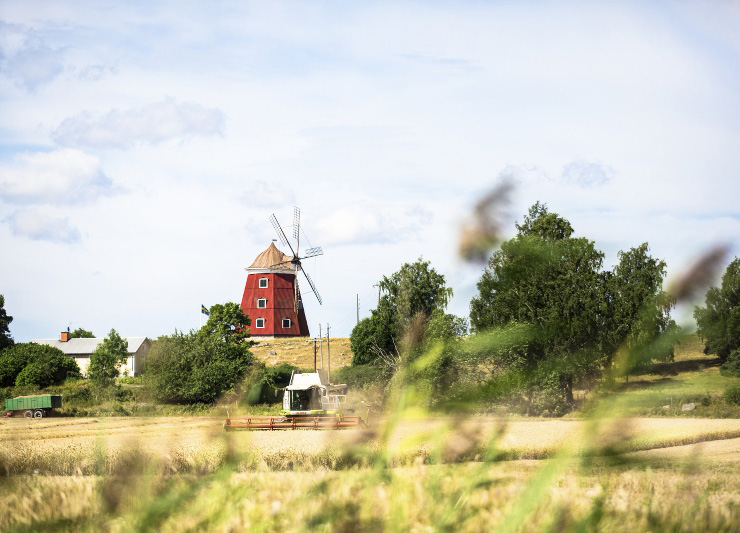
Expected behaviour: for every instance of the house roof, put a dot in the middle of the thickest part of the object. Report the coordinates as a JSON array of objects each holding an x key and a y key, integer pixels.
[
  {"x": 272, "y": 258},
  {"x": 86, "y": 346}
]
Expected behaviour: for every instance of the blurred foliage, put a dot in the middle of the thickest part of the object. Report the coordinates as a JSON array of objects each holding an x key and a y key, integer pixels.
[
  {"x": 263, "y": 383},
  {"x": 719, "y": 320}
]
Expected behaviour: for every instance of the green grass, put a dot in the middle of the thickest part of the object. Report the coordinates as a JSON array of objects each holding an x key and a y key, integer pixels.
[{"x": 693, "y": 377}]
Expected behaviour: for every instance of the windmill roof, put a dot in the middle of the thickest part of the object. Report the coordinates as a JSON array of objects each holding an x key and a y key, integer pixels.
[{"x": 272, "y": 258}]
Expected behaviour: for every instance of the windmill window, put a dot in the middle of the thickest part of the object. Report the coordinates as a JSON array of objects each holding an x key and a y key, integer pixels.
[
  {"x": 286, "y": 323},
  {"x": 262, "y": 303},
  {"x": 259, "y": 323},
  {"x": 263, "y": 283}
]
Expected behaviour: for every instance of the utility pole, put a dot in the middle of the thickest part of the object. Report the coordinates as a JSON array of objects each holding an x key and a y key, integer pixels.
[
  {"x": 328, "y": 354},
  {"x": 321, "y": 346},
  {"x": 358, "y": 308},
  {"x": 314, "y": 354},
  {"x": 378, "y": 286}
]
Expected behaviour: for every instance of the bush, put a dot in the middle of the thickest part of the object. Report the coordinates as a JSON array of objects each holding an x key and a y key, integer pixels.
[
  {"x": 731, "y": 367},
  {"x": 357, "y": 377},
  {"x": 195, "y": 368},
  {"x": 732, "y": 394},
  {"x": 36, "y": 365}
]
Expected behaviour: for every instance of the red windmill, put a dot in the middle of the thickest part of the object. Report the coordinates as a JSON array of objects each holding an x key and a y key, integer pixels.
[{"x": 272, "y": 299}]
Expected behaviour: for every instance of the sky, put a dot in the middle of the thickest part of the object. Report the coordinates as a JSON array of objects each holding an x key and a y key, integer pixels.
[{"x": 144, "y": 145}]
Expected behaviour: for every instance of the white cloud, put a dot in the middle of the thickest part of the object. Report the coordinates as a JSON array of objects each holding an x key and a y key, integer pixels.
[
  {"x": 26, "y": 59},
  {"x": 40, "y": 226},
  {"x": 59, "y": 177},
  {"x": 587, "y": 173},
  {"x": 153, "y": 124}
]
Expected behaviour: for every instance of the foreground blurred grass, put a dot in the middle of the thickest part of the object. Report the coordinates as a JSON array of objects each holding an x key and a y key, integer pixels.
[
  {"x": 696, "y": 493},
  {"x": 179, "y": 474},
  {"x": 192, "y": 445}
]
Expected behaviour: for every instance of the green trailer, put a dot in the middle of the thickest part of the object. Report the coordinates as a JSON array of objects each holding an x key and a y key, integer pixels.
[{"x": 38, "y": 406}]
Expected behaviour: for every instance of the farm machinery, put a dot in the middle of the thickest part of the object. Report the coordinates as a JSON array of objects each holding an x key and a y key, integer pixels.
[
  {"x": 38, "y": 406},
  {"x": 309, "y": 402}
]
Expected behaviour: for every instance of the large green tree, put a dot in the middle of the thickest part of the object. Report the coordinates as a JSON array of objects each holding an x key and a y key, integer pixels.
[
  {"x": 573, "y": 315},
  {"x": 5, "y": 338},
  {"x": 415, "y": 290},
  {"x": 107, "y": 358},
  {"x": 719, "y": 320}
]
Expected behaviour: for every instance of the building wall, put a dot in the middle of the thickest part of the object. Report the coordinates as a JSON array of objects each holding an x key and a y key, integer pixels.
[
  {"x": 280, "y": 294},
  {"x": 134, "y": 365}
]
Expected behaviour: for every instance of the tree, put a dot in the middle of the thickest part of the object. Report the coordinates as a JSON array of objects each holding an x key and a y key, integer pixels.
[
  {"x": 195, "y": 367},
  {"x": 414, "y": 290},
  {"x": 228, "y": 322},
  {"x": 574, "y": 314},
  {"x": 80, "y": 333},
  {"x": 106, "y": 359},
  {"x": 639, "y": 311},
  {"x": 719, "y": 320},
  {"x": 36, "y": 364},
  {"x": 6, "y": 339}
]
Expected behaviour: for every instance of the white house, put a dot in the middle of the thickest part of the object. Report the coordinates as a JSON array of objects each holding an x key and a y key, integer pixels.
[{"x": 82, "y": 349}]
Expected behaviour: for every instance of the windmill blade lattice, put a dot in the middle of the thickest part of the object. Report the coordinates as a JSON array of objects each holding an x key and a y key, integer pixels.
[
  {"x": 280, "y": 232},
  {"x": 313, "y": 287},
  {"x": 313, "y": 252}
]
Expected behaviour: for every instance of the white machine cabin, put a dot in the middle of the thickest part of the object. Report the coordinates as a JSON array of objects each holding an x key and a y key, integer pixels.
[{"x": 310, "y": 393}]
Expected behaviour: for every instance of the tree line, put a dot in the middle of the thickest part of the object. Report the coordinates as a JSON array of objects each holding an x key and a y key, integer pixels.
[{"x": 547, "y": 319}]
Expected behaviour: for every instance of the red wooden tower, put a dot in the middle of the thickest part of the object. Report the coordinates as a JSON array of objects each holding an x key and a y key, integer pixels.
[{"x": 272, "y": 299}]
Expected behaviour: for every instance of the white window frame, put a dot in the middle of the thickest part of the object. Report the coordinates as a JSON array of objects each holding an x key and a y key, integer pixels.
[
  {"x": 261, "y": 300},
  {"x": 290, "y": 323},
  {"x": 266, "y": 285},
  {"x": 257, "y": 323}
]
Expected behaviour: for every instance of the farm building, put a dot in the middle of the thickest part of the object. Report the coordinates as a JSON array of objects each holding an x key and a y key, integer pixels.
[{"x": 82, "y": 349}]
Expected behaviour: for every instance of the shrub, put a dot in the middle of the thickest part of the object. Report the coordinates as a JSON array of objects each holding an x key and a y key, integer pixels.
[
  {"x": 731, "y": 367},
  {"x": 357, "y": 377},
  {"x": 12, "y": 361},
  {"x": 732, "y": 394},
  {"x": 195, "y": 368},
  {"x": 37, "y": 365}
]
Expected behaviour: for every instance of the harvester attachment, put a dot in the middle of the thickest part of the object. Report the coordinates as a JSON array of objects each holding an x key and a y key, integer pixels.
[{"x": 293, "y": 422}]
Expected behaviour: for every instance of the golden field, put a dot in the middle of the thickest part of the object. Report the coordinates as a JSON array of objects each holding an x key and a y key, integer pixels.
[{"x": 186, "y": 473}]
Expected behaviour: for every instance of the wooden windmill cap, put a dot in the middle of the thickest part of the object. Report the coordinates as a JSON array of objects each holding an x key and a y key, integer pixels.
[{"x": 272, "y": 258}]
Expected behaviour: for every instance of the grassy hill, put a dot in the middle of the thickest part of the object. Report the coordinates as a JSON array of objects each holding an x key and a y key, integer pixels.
[
  {"x": 693, "y": 377},
  {"x": 299, "y": 351}
]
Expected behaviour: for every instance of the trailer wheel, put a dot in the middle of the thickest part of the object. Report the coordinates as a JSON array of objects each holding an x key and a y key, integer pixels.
[
  {"x": 28, "y": 414},
  {"x": 38, "y": 413}
]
